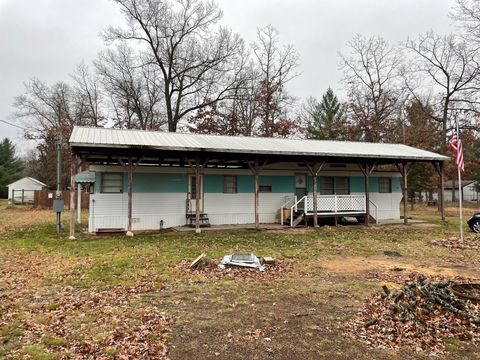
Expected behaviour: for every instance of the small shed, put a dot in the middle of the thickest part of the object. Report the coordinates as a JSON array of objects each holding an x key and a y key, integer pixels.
[{"x": 23, "y": 191}]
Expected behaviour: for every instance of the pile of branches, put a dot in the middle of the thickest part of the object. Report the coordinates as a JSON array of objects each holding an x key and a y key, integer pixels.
[
  {"x": 469, "y": 242},
  {"x": 420, "y": 315}
]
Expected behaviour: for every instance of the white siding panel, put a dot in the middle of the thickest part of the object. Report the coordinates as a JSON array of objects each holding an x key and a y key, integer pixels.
[
  {"x": 239, "y": 208},
  {"x": 388, "y": 205},
  {"x": 111, "y": 210}
]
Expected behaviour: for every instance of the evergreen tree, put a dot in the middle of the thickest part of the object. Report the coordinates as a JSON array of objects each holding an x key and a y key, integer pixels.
[
  {"x": 10, "y": 166},
  {"x": 327, "y": 119}
]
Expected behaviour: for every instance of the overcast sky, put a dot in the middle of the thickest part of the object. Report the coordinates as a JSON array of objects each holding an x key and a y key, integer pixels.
[{"x": 47, "y": 38}]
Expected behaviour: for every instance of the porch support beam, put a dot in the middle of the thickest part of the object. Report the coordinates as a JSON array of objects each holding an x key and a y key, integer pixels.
[
  {"x": 367, "y": 170},
  {"x": 198, "y": 167},
  {"x": 404, "y": 169},
  {"x": 130, "y": 167},
  {"x": 314, "y": 170},
  {"x": 73, "y": 171},
  {"x": 256, "y": 168},
  {"x": 439, "y": 167}
]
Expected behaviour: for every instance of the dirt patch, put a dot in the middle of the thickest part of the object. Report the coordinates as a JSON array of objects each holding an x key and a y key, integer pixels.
[{"x": 362, "y": 266}]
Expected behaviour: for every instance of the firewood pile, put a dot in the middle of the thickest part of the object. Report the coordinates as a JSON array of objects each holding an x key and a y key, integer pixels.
[{"x": 421, "y": 314}]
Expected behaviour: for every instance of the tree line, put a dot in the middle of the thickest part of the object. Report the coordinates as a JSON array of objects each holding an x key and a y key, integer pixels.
[{"x": 175, "y": 67}]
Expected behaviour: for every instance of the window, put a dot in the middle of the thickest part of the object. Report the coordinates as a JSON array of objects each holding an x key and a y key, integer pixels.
[
  {"x": 342, "y": 185},
  {"x": 326, "y": 185},
  {"x": 384, "y": 185},
  {"x": 265, "y": 188},
  {"x": 339, "y": 185},
  {"x": 112, "y": 183},
  {"x": 229, "y": 184}
]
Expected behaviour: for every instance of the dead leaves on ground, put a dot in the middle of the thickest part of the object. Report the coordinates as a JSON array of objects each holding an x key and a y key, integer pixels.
[{"x": 72, "y": 322}]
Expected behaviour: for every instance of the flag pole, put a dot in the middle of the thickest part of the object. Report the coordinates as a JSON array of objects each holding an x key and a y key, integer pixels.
[{"x": 460, "y": 197}]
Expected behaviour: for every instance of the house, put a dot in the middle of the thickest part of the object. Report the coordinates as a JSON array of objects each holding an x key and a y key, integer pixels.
[
  {"x": 22, "y": 191},
  {"x": 147, "y": 180},
  {"x": 469, "y": 190}
]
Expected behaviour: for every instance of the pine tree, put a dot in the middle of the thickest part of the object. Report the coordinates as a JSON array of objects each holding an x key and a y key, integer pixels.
[
  {"x": 327, "y": 119},
  {"x": 10, "y": 166}
]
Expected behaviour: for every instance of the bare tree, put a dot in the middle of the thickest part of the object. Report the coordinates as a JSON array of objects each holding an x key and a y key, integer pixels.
[
  {"x": 447, "y": 66},
  {"x": 87, "y": 88},
  {"x": 131, "y": 86},
  {"x": 277, "y": 66},
  {"x": 200, "y": 63},
  {"x": 467, "y": 14},
  {"x": 372, "y": 79}
]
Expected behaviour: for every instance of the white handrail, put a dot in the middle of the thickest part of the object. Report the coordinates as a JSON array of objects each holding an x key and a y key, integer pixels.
[
  {"x": 376, "y": 211},
  {"x": 295, "y": 206},
  {"x": 292, "y": 198}
]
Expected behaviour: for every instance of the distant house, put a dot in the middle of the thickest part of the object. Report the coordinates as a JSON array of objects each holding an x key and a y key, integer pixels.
[
  {"x": 468, "y": 190},
  {"x": 22, "y": 191}
]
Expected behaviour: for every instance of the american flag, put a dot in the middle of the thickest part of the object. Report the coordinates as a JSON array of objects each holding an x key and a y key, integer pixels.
[{"x": 456, "y": 145}]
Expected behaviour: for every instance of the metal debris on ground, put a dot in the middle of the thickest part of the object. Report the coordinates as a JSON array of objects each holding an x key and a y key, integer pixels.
[
  {"x": 241, "y": 260},
  {"x": 421, "y": 315},
  {"x": 392, "y": 253}
]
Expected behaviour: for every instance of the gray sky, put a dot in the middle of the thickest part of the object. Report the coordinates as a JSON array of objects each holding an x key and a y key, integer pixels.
[{"x": 47, "y": 38}]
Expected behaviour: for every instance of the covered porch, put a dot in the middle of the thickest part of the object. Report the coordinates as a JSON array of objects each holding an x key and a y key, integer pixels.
[{"x": 134, "y": 150}]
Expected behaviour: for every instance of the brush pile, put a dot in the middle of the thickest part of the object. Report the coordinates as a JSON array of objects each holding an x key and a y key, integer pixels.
[{"x": 421, "y": 314}]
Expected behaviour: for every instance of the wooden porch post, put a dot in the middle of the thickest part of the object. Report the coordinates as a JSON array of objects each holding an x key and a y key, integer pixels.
[
  {"x": 73, "y": 168},
  {"x": 367, "y": 169},
  {"x": 314, "y": 170},
  {"x": 197, "y": 195},
  {"x": 404, "y": 169},
  {"x": 256, "y": 168},
  {"x": 130, "y": 169},
  {"x": 439, "y": 167},
  {"x": 130, "y": 185}
]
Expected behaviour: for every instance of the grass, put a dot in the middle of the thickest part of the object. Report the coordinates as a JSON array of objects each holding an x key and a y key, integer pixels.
[{"x": 127, "y": 279}]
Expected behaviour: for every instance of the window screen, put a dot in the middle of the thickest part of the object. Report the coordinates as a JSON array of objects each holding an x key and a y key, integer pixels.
[
  {"x": 326, "y": 185},
  {"x": 112, "y": 183},
  {"x": 384, "y": 185},
  {"x": 342, "y": 185},
  {"x": 229, "y": 184}
]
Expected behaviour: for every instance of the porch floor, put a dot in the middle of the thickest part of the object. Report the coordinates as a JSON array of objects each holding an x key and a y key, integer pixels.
[{"x": 276, "y": 226}]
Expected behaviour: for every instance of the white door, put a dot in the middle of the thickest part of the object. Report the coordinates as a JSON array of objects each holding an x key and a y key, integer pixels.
[{"x": 192, "y": 191}]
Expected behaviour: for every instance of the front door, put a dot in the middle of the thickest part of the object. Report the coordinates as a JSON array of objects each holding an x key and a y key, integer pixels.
[
  {"x": 192, "y": 193},
  {"x": 300, "y": 189}
]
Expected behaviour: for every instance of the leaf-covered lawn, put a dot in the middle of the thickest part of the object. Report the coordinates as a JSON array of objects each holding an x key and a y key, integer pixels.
[{"x": 120, "y": 297}]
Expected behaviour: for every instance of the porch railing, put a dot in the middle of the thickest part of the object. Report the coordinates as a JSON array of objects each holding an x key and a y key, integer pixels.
[{"x": 332, "y": 205}]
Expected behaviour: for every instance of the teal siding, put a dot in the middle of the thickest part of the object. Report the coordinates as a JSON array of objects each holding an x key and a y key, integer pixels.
[
  {"x": 396, "y": 184},
  {"x": 213, "y": 183},
  {"x": 155, "y": 183},
  {"x": 280, "y": 184},
  {"x": 373, "y": 184},
  {"x": 245, "y": 184},
  {"x": 357, "y": 184}
]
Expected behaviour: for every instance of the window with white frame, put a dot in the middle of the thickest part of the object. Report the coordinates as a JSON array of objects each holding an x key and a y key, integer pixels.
[
  {"x": 112, "y": 183},
  {"x": 384, "y": 185},
  {"x": 230, "y": 184}
]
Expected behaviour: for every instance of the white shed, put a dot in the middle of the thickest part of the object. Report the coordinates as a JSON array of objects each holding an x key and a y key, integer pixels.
[{"x": 22, "y": 191}]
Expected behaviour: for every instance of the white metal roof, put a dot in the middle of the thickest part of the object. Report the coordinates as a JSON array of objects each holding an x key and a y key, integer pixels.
[
  {"x": 115, "y": 138},
  {"x": 33, "y": 180}
]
